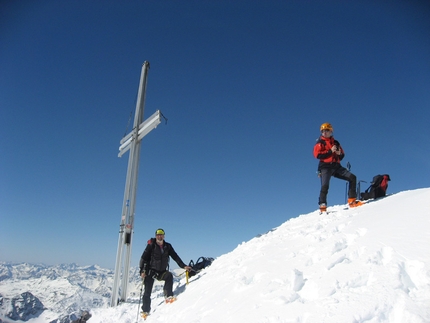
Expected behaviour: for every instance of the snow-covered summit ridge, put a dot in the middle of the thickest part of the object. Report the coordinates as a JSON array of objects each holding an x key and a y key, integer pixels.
[{"x": 367, "y": 264}]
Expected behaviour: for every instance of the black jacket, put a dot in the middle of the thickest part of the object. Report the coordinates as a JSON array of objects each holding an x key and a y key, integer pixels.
[{"x": 156, "y": 258}]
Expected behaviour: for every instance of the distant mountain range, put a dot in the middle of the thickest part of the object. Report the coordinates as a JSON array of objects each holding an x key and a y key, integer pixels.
[{"x": 57, "y": 294}]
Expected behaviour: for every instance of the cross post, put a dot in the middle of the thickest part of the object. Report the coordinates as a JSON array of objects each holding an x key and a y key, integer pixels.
[{"x": 131, "y": 143}]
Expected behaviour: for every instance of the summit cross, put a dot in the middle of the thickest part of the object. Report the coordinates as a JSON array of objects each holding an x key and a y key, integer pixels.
[{"x": 131, "y": 142}]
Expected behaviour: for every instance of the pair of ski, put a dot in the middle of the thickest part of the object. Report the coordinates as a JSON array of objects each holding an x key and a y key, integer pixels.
[{"x": 169, "y": 300}]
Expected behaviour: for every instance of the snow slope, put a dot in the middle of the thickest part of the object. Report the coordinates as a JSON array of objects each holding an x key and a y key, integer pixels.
[{"x": 368, "y": 264}]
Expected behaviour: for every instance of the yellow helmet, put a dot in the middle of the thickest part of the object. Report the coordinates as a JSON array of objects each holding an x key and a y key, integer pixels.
[
  {"x": 326, "y": 126},
  {"x": 159, "y": 231}
]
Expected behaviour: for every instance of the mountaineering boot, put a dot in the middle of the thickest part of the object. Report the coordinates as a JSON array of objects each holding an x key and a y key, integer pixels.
[
  {"x": 352, "y": 202},
  {"x": 144, "y": 315},
  {"x": 323, "y": 208},
  {"x": 170, "y": 299}
]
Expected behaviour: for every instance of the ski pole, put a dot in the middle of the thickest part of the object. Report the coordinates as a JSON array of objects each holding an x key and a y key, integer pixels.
[
  {"x": 359, "y": 188},
  {"x": 138, "y": 306}
]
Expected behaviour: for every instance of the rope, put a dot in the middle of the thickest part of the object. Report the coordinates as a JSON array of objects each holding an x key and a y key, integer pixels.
[
  {"x": 128, "y": 124},
  {"x": 163, "y": 117}
]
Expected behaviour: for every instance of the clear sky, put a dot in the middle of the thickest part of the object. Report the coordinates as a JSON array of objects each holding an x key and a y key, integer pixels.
[{"x": 244, "y": 85}]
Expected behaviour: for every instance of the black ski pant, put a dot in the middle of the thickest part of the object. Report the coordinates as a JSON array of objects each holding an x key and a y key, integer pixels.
[
  {"x": 340, "y": 172},
  {"x": 166, "y": 276}
]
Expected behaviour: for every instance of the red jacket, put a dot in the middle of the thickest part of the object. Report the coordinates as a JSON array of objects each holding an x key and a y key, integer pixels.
[{"x": 322, "y": 151}]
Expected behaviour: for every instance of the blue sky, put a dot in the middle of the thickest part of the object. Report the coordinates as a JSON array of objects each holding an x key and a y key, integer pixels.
[{"x": 244, "y": 85}]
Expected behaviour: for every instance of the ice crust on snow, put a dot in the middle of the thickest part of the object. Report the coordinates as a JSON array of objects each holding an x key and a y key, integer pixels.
[{"x": 367, "y": 264}]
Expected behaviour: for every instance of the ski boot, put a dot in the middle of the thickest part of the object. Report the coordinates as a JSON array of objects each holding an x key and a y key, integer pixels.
[
  {"x": 323, "y": 208},
  {"x": 170, "y": 299},
  {"x": 352, "y": 202}
]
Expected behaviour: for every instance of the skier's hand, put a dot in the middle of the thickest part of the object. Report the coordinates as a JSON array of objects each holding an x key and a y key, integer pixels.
[
  {"x": 143, "y": 275},
  {"x": 187, "y": 268},
  {"x": 335, "y": 150}
]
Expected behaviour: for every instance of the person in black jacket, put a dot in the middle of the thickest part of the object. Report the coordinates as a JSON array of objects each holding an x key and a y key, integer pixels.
[{"x": 154, "y": 265}]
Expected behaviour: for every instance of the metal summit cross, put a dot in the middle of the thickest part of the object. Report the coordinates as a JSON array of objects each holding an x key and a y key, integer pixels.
[{"x": 131, "y": 142}]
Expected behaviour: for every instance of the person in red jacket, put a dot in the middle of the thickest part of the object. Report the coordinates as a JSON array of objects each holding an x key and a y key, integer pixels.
[{"x": 330, "y": 153}]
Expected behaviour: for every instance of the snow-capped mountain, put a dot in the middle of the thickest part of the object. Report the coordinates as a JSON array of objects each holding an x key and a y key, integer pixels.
[
  {"x": 59, "y": 292},
  {"x": 369, "y": 264}
]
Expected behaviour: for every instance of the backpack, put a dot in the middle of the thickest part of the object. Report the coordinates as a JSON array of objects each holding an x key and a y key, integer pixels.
[
  {"x": 201, "y": 263},
  {"x": 378, "y": 187}
]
